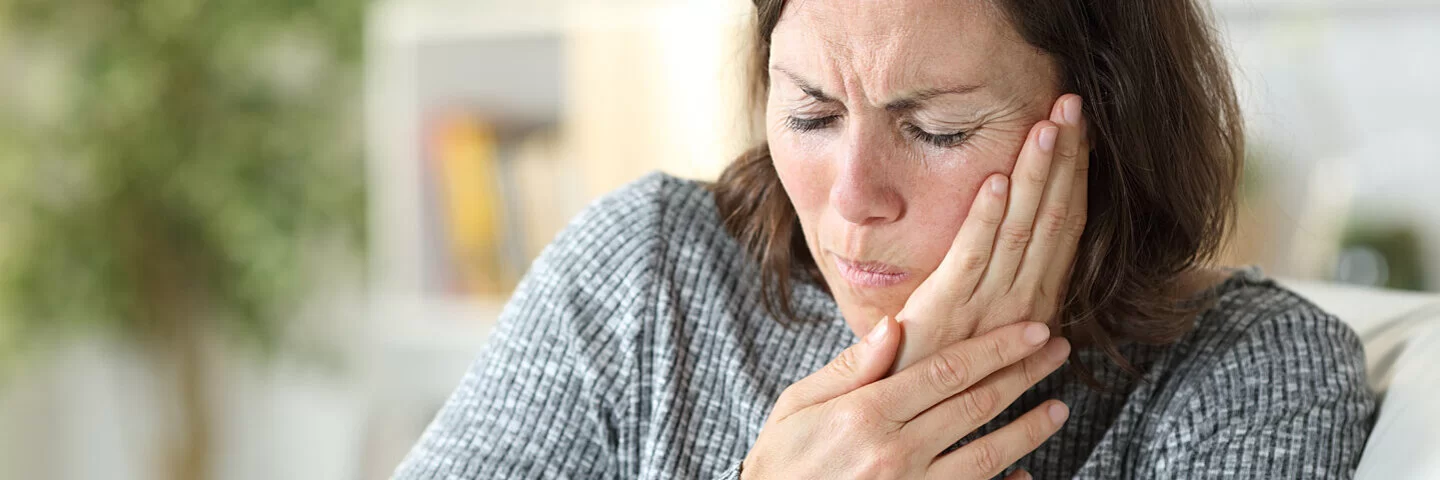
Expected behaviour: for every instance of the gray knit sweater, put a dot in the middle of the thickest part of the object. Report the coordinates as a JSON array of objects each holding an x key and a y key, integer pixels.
[{"x": 637, "y": 347}]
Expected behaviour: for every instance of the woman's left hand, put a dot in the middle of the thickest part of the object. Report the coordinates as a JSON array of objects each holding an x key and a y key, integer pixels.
[{"x": 1008, "y": 265}]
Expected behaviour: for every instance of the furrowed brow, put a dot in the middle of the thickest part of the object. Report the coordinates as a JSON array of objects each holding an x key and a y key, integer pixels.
[
  {"x": 805, "y": 86},
  {"x": 918, "y": 98}
]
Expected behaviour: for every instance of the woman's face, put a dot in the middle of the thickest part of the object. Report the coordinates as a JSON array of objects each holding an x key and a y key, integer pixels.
[{"x": 883, "y": 119}]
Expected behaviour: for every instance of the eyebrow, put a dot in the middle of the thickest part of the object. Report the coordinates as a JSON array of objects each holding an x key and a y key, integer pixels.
[{"x": 909, "y": 102}]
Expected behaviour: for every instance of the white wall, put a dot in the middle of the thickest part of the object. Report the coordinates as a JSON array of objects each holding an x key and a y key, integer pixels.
[{"x": 1351, "y": 90}]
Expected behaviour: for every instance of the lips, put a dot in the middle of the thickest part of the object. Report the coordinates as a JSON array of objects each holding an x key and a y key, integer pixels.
[{"x": 869, "y": 274}]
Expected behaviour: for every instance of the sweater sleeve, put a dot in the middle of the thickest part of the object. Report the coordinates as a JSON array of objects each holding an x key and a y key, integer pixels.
[
  {"x": 1285, "y": 397},
  {"x": 547, "y": 395}
]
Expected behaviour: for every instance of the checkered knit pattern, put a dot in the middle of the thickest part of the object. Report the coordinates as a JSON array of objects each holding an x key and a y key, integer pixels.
[{"x": 637, "y": 347}]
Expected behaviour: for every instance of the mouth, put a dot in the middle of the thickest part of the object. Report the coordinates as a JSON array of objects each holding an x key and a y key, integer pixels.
[{"x": 869, "y": 274}]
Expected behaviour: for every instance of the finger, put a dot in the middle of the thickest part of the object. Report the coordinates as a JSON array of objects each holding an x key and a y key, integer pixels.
[
  {"x": 989, "y": 455},
  {"x": 964, "y": 265},
  {"x": 1027, "y": 185},
  {"x": 956, "y": 417},
  {"x": 1052, "y": 218},
  {"x": 953, "y": 369},
  {"x": 1019, "y": 474},
  {"x": 1056, "y": 280},
  {"x": 954, "y": 281},
  {"x": 855, "y": 367}
]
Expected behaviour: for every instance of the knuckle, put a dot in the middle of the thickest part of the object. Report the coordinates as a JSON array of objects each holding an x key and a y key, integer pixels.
[
  {"x": 981, "y": 402},
  {"x": 950, "y": 332},
  {"x": 1029, "y": 371},
  {"x": 1068, "y": 153},
  {"x": 1015, "y": 237},
  {"x": 991, "y": 217},
  {"x": 854, "y": 418},
  {"x": 985, "y": 457},
  {"x": 1035, "y": 433},
  {"x": 846, "y": 364},
  {"x": 947, "y": 373},
  {"x": 1076, "y": 225},
  {"x": 1071, "y": 150},
  {"x": 1036, "y": 177},
  {"x": 996, "y": 347},
  {"x": 1053, "y": 222},
  {"x": 974, "y": 261},
  {"x": 881, "y": 463}
]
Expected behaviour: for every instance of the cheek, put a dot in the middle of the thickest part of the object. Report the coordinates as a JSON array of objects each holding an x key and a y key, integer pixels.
[
  {"x": 938, "y": 206},
  {"x": 805, "y": 173},
  {"x": 956, "y": 186},
  {"x": 940, "y": 198}
]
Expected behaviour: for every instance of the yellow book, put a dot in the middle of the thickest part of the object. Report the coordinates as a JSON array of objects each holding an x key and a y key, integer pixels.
[{"x": 472, "y": 206}]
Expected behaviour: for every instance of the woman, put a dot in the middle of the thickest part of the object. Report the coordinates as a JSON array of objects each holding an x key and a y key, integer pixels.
[{"x": 942, "y": 179}]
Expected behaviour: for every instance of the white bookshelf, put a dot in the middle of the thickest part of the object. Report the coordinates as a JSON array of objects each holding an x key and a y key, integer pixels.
[
  {"x": 607, "y": 77},
  {"x": 423, "y": 339},
  {"x": 552, "y": 66}
]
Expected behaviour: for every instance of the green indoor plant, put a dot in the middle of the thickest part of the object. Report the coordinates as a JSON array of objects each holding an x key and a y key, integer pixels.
[{"x": 164, "y": 170}]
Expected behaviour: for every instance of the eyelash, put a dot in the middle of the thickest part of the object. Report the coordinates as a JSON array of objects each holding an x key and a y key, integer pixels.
[
  {"x": 807, "y": 124},
  {"x": 943, "y": 140}
]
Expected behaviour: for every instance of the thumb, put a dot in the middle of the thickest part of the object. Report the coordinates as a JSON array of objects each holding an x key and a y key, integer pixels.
[{"x": 857, "y": 366}]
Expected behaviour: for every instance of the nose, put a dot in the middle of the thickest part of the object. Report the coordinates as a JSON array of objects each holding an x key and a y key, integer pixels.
[{"x": 863, "y": 191}]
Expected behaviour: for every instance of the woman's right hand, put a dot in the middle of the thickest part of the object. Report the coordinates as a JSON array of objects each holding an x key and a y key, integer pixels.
[{"x": 848, "y": 420}]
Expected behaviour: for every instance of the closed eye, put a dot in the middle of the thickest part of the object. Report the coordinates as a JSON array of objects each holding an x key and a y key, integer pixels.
[
  {"x": 800, "y": 124},
  {"x": 943, "y": 140}
]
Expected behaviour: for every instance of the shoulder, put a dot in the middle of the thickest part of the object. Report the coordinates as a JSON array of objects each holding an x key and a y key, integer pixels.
[
  {"x": 593, "y": 287},
  {"x": 634, "y": 216},
  {"x": 618, "y": 240},
  {"x": 1258, "y": 326},
  {"x": 1266, "y": 368},
  {"x": 601, "y": 273}
]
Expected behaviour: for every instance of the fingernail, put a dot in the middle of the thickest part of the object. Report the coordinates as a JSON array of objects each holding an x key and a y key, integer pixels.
[
  {"x": 1072, "y": 111},
  {"x": 1058, "y": 412},
  {"x": 878, "y": 331},
  {"x": 998, "y": 184},
  {"x": 1036, "y": 334},
  {"x": 1047, "y": 138}
]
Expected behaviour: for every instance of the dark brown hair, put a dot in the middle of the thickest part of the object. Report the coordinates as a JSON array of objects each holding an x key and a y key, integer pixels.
[{"x": 1166, "y": 154}]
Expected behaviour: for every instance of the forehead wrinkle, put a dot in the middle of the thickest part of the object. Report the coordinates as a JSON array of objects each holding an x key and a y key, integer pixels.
[
  {"x": 919, "y": 98},
  {"x": 857, "y": 54},
  {"x": 889, "y": 59},
  {"x": 877, "y": 64},
  {"x": 873, "y": 55}
]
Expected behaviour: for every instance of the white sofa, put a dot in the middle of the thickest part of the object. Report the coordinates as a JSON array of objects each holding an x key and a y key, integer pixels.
[{"x": 1401, "y": 331}]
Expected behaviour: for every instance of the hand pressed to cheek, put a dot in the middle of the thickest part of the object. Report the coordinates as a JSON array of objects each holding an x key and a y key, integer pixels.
[
  {"x": 897, "y": 202},
  {"x": 883, "y": 119},
  {"x": 1012, "y": 256}
]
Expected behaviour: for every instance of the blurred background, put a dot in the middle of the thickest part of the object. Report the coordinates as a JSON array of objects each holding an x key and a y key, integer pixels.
[{"x": 264, "y": 239}]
